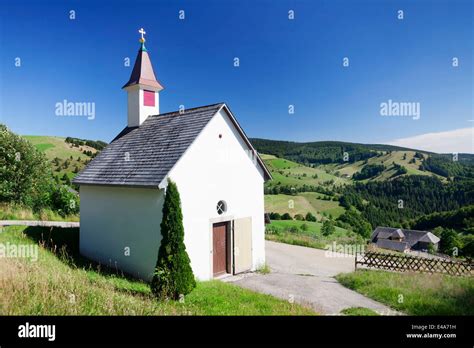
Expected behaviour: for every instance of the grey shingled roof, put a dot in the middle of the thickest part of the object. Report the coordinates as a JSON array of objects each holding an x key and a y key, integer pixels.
[
  {"x": 392, "y": 244},
  {"x": 411, "y": 236},
  {"x": 153, "y": 149},
  {"x": 429, "y": 238},
  {"x": 397, "y": 234}
]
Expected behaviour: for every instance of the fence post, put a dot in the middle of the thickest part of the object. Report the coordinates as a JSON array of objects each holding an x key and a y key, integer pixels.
[{"x": 355, "y": 261}]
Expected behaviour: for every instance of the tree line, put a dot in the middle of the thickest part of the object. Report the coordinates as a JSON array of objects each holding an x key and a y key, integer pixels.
[{"x": 96, "y": 144}]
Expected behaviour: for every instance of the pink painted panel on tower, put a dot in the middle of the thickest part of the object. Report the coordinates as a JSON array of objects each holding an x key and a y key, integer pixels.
[{"x": 148, "y": 98}]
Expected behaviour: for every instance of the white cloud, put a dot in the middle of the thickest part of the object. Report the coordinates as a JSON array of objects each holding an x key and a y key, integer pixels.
[{"x": 458, "y": 140}]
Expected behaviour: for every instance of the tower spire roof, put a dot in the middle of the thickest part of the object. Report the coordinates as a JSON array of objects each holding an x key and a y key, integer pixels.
[{"x": 142, "y": 72}]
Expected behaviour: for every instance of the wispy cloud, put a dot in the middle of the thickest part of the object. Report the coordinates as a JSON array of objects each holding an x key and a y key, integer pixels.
[{"x": 458, "y": 140}]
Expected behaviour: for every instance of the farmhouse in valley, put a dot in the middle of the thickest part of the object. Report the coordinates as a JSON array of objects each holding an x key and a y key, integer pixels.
[
  {"x": 206, "y": 153},
  {"x": 404, "y": 240}
]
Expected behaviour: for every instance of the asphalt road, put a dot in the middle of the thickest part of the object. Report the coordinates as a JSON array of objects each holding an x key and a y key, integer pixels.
[{"x": 306, "y": 276}]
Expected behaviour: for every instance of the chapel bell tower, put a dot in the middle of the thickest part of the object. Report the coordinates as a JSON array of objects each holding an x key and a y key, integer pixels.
[{"x": 143, "y": 88}]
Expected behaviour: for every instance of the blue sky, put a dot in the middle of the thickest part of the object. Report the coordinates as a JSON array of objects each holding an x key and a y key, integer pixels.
[{"x": 282, "y": 62}]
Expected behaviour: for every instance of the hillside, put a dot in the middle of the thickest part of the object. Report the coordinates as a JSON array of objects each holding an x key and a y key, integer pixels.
[
  {"x": 324, "y": 152},
  {"x": 358, "y": 187},
  {"x": 287, "y": 172},
  {"x": 302, "y": 203},
  {"x": 57, "y": 147},
  {"x": 391, "y": 162},
  {"x": 66, "y": 158},
  {"x": 59, "y": 281},
  {"x": 298, "y": 189},
  {"x": 342, "y": 160}
]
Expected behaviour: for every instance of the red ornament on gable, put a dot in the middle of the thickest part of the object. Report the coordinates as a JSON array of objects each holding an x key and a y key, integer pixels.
[{"x": 148, "y": 98}]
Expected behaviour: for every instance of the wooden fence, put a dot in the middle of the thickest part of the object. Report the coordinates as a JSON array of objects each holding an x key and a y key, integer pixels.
[{"x": 404, "y": 263}]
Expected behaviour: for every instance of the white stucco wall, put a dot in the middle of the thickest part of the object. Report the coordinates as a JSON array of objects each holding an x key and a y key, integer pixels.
[
  {"x": 214, "y": 169},
  {"x": 114, "y": 218}
]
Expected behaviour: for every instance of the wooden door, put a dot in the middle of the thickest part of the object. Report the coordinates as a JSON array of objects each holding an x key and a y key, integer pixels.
[{"x": 219, "y": 236}]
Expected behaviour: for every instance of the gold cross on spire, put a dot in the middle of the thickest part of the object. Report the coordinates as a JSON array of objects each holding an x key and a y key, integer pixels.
[{"x": 143, "y": 32}]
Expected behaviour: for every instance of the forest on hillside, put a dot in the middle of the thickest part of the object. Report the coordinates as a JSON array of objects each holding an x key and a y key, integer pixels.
[
  {"x": 441, "y": 200},
  {"x": 325, "y": 152}
]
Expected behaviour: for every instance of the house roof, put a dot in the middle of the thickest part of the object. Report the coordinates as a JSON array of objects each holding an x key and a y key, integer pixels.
[
  {"x": 411, "y": 237},
  {"x": 383, "y": 235},
  {"x": 142, "y": 72},
  {"x": 398, "y": 233},
  {"x": 143, "y": 156},
  {"x": 429, "y": 238},
  {"x": 392, "y": 244}
]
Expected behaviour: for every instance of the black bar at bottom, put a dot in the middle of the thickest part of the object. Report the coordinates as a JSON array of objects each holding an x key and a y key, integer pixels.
[{"x": 335, "y": 330}]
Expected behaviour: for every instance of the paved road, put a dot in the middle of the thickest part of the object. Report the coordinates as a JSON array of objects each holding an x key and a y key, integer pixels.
[
  {"x": 65, "y": 224},
  {"x": 306, "y": 275}
]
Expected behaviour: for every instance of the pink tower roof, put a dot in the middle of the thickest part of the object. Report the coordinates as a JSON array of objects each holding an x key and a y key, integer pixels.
[{"x": 143, "y": 71}]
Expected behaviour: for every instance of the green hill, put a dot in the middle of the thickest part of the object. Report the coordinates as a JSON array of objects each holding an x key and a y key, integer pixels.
[
  {"x": 325, "y": 152},
  {"x": 302, "y": 203},
  {"x": 298, "y": 189},
  {"x": 390, "y": 160},
  {"x": 66, "y": 159},
  {"x": 286, "y": 172},
  {"x": 341, "y": 160},
  {"x": 57, "y": 147},
  {"x": 301, "y": 189}
]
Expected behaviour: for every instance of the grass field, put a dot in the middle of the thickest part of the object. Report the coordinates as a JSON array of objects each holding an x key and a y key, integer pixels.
[
  {"x": 293, "y": 232},
  {"x": 415, "y": 293},
  {"x": 16, "y": 212},
  {"x": 290, "y": 173},
  {"x": 302, "y": 203},
  {"x": 57, "y": 147},
  {"x": 359, "y": 311},
  {"x": 61, "y": 282}
]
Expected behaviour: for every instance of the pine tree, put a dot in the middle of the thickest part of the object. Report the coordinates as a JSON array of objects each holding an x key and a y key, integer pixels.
[
  {"x": 173, "y": 274},
  {"x": 327, "y": 228}
]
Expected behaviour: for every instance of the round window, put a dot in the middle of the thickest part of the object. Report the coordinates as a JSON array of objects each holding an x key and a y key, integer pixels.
[{"x": 221, "y": 207}]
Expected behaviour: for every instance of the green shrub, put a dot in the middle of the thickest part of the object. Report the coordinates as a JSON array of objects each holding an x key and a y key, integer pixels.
[
  {"x": 25, "y": 174},
  {"x": 173, "y": 274},
  {"x": 450, "y": 242},
  {"x": 275, "y": 216},
  {"x": 468, "y": 248},
  {"x": 310, "y": 217},
  {"x": 293, "y": 229},
  {"x": 299, "y": 217},
  {"x": 66, "y": 179},
  {"x": 357, "y": 221},
  {"x": 327, "y": 228},
  {"x": 64, "y": 201}
]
